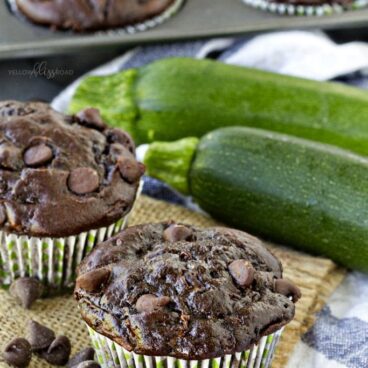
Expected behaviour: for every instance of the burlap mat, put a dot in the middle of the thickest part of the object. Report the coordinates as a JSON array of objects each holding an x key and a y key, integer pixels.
[{"x": 316, "y": 277}]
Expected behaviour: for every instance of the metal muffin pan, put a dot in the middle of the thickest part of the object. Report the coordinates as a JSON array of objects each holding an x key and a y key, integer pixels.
[{"x": 197, "y": 19}]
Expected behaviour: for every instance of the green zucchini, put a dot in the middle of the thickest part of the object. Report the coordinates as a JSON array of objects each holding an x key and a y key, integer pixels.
[
  {"x": 301, "y": 193},
  {"x": 176, "y": 98}
]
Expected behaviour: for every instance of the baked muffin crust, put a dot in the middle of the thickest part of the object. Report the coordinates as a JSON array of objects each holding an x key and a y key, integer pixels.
[
  {"x": 189, "y": 293},
  {"x": 82, "y": 15},
  {"x": 61, "y": 175}
]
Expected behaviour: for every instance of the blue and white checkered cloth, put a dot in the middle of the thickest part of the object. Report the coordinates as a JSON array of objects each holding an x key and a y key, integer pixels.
[{"x": 339, "y": 337}]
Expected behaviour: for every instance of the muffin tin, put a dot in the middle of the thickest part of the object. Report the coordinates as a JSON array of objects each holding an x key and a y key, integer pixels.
[{"x": 197, "y": 19}]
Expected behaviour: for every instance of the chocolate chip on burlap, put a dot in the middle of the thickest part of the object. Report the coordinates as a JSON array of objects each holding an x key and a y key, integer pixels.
[
  {"x": 242, "y": 272},
  {"x": 39, "y": 155},
  {"x": 18, "y": 353},
  {"x": 149, "y": 303},
  {"x": 58, "y": 352},
  {"x": 84, "y": 355},
  {"x": 40, "y": 337},
  {"x": 26, "y": 290}
]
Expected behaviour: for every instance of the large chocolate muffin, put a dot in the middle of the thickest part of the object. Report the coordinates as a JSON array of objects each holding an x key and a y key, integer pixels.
[
  {"x": 180, "y": 291},
  {"x": 81, "y": 15},
  {"x": 62, "y": 175}
]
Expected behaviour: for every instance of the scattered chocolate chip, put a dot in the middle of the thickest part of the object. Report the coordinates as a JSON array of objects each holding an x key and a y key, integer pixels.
[
  {"x": 2, "y": 214},
  {"x": 149, "y": 303},
  {"x": 40, "y": 337},
  {"x": 88, "y": 364},
  {"x": 288, "y": 289},
  {"x": 58, "y": 352},
  {"x": 93, "y": 281},
  {"x": 83, "y": 180},
  {"x": 176, "y": 233},
  {"x": 18, "y": 353},
  {"x": 38, "y": 155},
  {"x": 130, "y": 169},
  {"x": 84, "y": 355},
  {"x": 242, "y": 272},
  {"x": 91, "y": 118},
  {"x": 26, "y": 291}
]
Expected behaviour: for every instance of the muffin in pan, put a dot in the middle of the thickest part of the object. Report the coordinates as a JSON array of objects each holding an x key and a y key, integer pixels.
[
  {"x": 66, "y": 182},
  {"x": 164, "y": 294},
  {"x": 307, "y": 7},
  {"x": 83, "y": 15}
]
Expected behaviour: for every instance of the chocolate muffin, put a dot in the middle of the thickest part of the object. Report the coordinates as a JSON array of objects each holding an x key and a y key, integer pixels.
[
  {"x": 178, "y": 291},
  {"x": 70, "y": 178},
  {"x": 81, "y": 15},
  {"x": 306, "y": 7}
]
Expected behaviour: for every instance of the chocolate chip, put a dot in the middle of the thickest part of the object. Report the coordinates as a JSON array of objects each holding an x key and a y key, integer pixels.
[
  {"x": 2, "y": 214},
  {"x": 242, "y": 272},
  {"x": 93, "y": 281},
  {"x": 288, "y": 289},
  {"x": 88, "y": 364},
  {"x": 185, "y": 256},
  {"x": 26, "y": 291},
  {"x": 83, "y": 180},
  {"x": 10, "y": 157},
  {"x": 38, "y": 155},
  {"x": 86, "y": 354},
  {"x": 176, "y": 233},
  {"x": 18, "y": 353},
  {"x": 130, "y": 169},
  {"x": 39, "y": 336},
  {"x": 118, "y": 136},
  {"x": 58, "y": 352},
  {"x": 91, "y": 118},
  {"x": 149, "y": 303}
]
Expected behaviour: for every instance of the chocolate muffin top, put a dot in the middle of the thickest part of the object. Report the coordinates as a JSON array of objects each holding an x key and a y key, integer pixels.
[
  {"x": 81, "y": 15},
  {"x": 61, "y": 175},
  {"x": 176, "y": 290}
]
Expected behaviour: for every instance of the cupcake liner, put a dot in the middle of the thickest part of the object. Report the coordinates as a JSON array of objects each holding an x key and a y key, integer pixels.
[
  {"x": 304, "y": 10},
  {"x": 51, "y": 260},
  {"x": 139, "y": 27},
  {"x": 111, "y": 355}
]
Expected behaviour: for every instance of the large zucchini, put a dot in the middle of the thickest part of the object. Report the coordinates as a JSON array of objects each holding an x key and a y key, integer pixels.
[
  {"x": 176, "y": 98},
  {"x": 305, "y": 194}
]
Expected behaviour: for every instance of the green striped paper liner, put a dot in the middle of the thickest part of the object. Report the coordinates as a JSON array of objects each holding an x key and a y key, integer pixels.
[
  {"x": 111, "y": 355},
  {"x": 51, "y": 260},
  {"x": 304, "y": 10}
]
